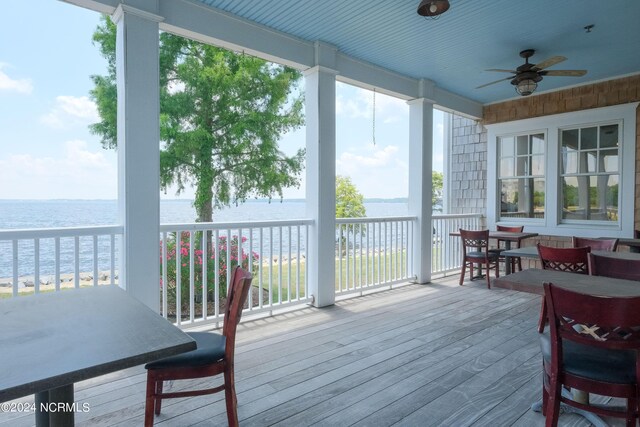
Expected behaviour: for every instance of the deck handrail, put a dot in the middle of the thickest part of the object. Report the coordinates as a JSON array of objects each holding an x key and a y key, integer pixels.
[{"x": 49, "y": 233}]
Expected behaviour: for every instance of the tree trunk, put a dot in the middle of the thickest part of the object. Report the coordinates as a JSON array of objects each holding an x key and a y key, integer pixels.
[{"x": 205, "y": 210}]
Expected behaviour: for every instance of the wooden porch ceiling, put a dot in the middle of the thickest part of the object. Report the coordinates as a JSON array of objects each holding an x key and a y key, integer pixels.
[{"x": 438, "y": 354}]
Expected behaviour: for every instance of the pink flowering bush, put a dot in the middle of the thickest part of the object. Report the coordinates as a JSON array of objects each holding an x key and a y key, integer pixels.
[{"x": 238, "y": 255}]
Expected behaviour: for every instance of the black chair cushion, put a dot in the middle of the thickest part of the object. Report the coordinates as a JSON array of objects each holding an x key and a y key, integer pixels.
[
  {"x": 600, "y": 364},
  {"x": 480, "y": 255},
  {"x": 210, "y": 349}
]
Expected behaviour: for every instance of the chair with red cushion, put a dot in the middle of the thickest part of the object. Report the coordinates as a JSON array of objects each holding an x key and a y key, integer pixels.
[
  {"x": 501, "y": 245},
  {"x": 593, "y": 346},
  {"x": 213, "y": 356},
  {"x": 618, "y": 268},
  {"x": 572, "y": 260},
  {"x": 609, "y": 245},
  {"x": 475, "y": 250}
]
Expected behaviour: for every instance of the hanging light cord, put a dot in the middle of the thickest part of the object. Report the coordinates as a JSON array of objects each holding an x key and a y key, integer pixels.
[{"x": 374, "y": 117}]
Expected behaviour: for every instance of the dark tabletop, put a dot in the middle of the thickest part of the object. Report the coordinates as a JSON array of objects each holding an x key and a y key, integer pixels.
[
  {"x": 54, "y": 339},
  {"x": 532, "y": 280},
  {"x": 532, "y": 252},
  {"x": 503, "y": 235},
  {"x": 629, "y": 242}
]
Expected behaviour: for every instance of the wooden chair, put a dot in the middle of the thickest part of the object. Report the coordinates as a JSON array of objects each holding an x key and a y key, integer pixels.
[
  {"x": 593, "y": 346},
  {"x": 595, "y": 244},
  {"x": 617, "y": 268},
  {"x": 573, "y": 260},
  {"x": 500, "y": 243},
  {"x": 478, "y": 241},
  {"x": 213, "y": 356}
]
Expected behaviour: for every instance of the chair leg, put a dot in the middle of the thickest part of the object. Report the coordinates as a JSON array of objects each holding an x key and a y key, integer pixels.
[
  {"x": 631, "y": 409},
  {"x": 489, "y": 273},
  {"x": 553, "y": 404},
  {"x": 464, "y": 267},
  {"x": 543, "y": 316},
  {"x": 148, "y": 406},
  {"x": 158, "y": 398},
  {"x": 230, "y": 397}
]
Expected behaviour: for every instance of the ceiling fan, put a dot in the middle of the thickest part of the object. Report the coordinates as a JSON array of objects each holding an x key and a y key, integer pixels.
[{"x": 528, "y": 75}]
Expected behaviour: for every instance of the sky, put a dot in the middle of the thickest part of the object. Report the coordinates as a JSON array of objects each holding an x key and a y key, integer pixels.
[{"x": 47, "y": 151}]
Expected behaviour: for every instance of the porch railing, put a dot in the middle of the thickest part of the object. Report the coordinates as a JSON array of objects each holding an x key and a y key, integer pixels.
[
  {"x": 447, "y": 250},
  {"x": 196, "y": 257},
  {"x": 196, "y": 260},
  {"x": 53, "y": 258},
  {"x": 373, "y": 252}
]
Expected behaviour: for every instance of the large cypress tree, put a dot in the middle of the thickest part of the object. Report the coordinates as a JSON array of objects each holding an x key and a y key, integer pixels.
[{"x": 221, "y": 116}]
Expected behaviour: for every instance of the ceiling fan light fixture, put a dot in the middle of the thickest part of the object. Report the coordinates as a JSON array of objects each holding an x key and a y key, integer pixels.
[
  {"x": 526, "y": 87},
  {"x": 433, "y": 8}
]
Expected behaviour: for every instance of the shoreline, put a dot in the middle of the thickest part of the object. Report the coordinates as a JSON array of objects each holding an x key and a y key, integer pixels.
[{"x": 47, "y": 282}]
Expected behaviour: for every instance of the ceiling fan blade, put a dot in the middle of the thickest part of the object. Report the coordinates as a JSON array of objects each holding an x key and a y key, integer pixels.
[
  {"x": 499, "y": 70},
  {"x": 549, "y": 62},
  {"x": 569, "y": 73},
  {"x": 497, "y": 81}
]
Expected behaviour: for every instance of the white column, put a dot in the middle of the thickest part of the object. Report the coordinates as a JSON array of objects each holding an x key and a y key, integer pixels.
[
  {"x": 420, "y": 168},
  {"x": 137, "y": 68},
  {"x": 320, "y": 112}
]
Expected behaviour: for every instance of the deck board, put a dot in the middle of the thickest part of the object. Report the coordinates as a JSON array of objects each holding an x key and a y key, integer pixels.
[{"x": 437, "y": 354}]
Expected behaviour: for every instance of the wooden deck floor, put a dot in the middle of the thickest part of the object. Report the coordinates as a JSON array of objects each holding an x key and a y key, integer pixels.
[{"x": 431, "y": 355}]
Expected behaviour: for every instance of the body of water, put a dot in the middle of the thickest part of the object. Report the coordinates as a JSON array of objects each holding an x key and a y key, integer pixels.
[
  {"x": 27, "y": 214},
  {"x": 20, "y": 214}
]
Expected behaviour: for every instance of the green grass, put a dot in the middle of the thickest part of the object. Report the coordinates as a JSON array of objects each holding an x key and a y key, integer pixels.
[{"x": 285, "y": 284}]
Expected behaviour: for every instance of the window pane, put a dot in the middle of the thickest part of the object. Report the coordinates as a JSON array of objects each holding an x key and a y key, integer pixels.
[
  {"x": 570, "y": 161},
  {"x": 522, "y": 198},
  {"x": 570, "y": 139},
  {"x": 589, "y": 139},
  {"x": 522, "y": 166},
  {"x": 592, "y": 198},
  {"x": 506, "y": 147},
  {"x": 608, "y": 161},
  {"x": 522, "y": 145},
  {"x": 506, "y": 167},
  {"x": 538, "y": 197},
  {"x": 537, "y": 165},
  {"x": 537, "y": 144},
  {"x": 592, "y": 161},
  {"x": 609, "y": 136}
]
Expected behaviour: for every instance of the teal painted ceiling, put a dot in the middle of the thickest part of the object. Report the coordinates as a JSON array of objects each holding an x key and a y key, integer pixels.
[{"x": 474, "y": 35}]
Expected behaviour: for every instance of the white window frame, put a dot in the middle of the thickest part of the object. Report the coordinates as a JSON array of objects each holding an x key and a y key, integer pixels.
[
  {"x": 551, "y": 126},
  {"x": 520, "y": 221}
]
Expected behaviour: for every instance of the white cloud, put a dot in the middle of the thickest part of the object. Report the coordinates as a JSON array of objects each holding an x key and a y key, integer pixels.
[
  {"x": 378, "y": 157},
  {"x": 359, "y": 104},
  {"x": 14, "y": 85},
  {"x": 375, "y": 170},
  {"x": 69, "y": 111},
  {"x": 77, "y": 173}
]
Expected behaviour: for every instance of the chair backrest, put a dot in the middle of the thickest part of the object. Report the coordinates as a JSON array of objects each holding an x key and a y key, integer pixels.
[
  {"x": 514, "y": 229},
  {"x": 598, "y": 321},
  {"x": 595, "y": 244},
  {"x": 617, "y": 268},
  {"x": 574, "y": 260},
  {"x": 473, "y": 239},
  {"x": 236, "y": 298}
]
